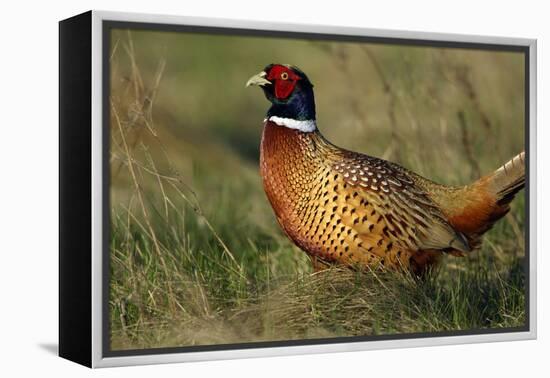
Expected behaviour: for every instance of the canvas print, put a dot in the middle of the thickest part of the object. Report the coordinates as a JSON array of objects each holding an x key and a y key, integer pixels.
[{"x": 270, "y": 189}]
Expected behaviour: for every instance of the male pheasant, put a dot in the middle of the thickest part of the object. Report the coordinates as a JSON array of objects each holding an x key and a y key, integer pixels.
[{"x": 349, "y": 208}]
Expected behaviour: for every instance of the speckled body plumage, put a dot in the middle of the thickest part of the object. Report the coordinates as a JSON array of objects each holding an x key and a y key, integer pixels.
[{"x": 345, "y": 207}]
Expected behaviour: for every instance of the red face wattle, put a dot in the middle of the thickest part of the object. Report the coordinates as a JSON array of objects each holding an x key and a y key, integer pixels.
[{"x": 283, "y": 79}]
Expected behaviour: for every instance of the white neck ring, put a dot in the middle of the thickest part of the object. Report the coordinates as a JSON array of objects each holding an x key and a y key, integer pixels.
[{"x": 306, "y": 126}]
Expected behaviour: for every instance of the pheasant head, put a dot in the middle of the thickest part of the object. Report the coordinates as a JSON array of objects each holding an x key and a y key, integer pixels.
[{"x": 291, "y": 95}]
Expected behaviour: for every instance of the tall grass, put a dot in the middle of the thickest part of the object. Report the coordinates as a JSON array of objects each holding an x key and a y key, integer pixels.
[{"x": 196, "y": 257}]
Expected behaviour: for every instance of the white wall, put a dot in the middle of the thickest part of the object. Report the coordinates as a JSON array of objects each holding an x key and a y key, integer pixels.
[{"x": 28, "y": 201}]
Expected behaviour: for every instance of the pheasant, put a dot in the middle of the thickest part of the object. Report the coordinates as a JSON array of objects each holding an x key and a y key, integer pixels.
[{"x": 344, "y": 207}]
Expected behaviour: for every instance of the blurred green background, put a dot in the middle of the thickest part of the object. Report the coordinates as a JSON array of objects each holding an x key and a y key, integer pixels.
[{"x": 194, "y": 240}]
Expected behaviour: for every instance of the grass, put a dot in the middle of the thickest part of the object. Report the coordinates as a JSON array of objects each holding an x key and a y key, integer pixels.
[{"x": 196, "y": 256}]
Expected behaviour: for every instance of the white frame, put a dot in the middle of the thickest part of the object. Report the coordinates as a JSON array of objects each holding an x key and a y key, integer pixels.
[{"x": 97, "y": 175}]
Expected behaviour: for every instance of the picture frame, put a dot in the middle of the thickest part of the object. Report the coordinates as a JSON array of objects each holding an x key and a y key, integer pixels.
[{"x": 85, "y": 208}]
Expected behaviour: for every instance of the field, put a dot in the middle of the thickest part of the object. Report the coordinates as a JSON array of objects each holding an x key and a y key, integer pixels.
[{"x": 196, "y": 255}]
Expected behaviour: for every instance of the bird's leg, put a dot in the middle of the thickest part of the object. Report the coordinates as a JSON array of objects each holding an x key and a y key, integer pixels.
[
  {"x": 318, "y": 264},
  {"x": 423, "y": 262}
]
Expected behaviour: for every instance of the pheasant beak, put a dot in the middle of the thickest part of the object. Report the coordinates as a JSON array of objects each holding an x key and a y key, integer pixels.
[{"x": 258, "y": 79}]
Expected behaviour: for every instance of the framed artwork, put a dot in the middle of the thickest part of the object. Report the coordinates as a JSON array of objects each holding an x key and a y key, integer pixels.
[{"x": 233, "y": 189}]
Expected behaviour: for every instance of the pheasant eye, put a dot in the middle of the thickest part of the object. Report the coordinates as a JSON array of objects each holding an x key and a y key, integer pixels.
[{"x": 284, "y": 76}]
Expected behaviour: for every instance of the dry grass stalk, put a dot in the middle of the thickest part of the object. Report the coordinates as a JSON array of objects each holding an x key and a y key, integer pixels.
[
  {"x": 392, "y": 152},
  {"x": 468, "y": 148},
  {"x": 138, "y": 190}
]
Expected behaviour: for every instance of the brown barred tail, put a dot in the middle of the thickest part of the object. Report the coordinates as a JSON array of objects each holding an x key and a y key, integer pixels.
[
  {"x": 508, "y": 179},
  {"x": 487, "y": 200}
]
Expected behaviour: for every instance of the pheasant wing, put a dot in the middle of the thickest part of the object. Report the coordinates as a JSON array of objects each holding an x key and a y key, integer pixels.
[{"x": 411, "y": 218}]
